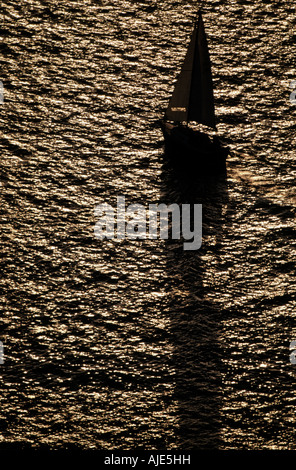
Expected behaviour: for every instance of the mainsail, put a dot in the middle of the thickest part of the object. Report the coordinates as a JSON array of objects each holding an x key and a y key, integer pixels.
[{"x": 193, "y": 99}]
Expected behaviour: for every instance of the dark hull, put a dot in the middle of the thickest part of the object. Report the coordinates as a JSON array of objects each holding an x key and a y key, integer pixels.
[{"x": 190, "y": 150}]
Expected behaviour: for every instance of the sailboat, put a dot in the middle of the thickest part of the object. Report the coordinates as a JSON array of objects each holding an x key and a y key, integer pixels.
[{"x": 193, "y": 101}]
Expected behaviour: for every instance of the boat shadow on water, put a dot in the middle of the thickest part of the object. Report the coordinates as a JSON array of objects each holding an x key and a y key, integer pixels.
[{"x": 195, "y": 320}]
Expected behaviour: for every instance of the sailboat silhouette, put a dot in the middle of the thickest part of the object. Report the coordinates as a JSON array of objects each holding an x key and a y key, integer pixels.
[{"x": 193, "y": 100}]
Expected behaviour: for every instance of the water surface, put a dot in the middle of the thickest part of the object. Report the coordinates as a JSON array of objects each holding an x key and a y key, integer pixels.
[{"x": 137, "y": 344}]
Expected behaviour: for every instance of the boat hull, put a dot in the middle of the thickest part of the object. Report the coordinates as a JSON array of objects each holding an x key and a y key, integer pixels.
[{"x": 190, "y": 150}]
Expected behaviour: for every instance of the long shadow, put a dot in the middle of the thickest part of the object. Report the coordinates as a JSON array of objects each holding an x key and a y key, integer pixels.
[{"x": 195, "y": 321}]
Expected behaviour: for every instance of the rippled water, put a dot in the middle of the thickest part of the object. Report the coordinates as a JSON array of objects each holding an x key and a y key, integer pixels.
[{"x": 139, "y": 344}]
